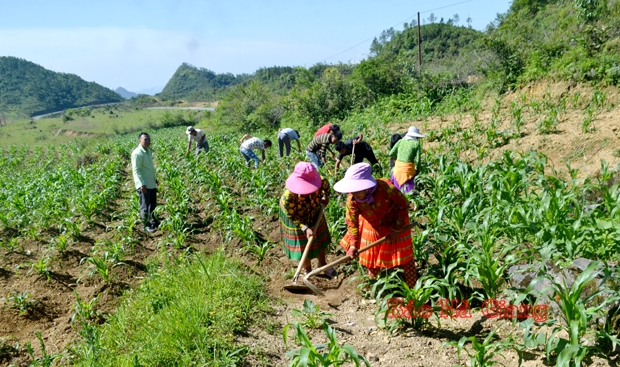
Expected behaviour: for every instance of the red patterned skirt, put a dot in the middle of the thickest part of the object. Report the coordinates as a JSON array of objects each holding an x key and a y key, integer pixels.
[{"x": 392, "y": 253}]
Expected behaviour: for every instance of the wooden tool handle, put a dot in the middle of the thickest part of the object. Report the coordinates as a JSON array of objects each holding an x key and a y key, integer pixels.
[
  {"x": 308, "y": 244},
  {"x": 346, "y": 258}
]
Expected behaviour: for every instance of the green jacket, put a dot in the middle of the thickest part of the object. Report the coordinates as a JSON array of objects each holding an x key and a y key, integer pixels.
[
  {"x": 408, "y": 151},
  {"x": 143, "y": 168}
]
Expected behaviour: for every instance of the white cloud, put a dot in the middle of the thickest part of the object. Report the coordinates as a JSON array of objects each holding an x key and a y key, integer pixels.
[{"x": 138, "y": 58}]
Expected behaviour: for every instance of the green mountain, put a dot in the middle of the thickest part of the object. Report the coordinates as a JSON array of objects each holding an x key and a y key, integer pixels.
[
  {"x": 194, "y": 83},
  {"x": 29, "y": 89},
  {"x": 190, "y": 82},
  {"x": 444, "y": 46}
]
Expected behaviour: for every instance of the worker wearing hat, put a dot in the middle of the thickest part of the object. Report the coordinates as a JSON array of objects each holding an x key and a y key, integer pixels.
[{"x": 199, "y": 137}]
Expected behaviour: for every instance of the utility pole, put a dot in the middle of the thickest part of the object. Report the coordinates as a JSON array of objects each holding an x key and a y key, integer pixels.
[{"x": 419, "y": 50}]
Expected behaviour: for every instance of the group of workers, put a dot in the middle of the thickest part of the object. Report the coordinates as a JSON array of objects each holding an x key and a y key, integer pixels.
[{"x": 376, "y": 209}]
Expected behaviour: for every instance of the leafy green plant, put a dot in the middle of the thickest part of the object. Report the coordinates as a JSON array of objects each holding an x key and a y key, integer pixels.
[
  {"x": 482, "y": 353},
  {"x": 46, "y": 360},
  {"x": 20, "y": 302},
  {"x": 580, "y": 305},
  {"x": 411, "y": 309},
  {"x": 61, "y": 243},
  {"x": 83, "y": 311},
  {"x": 586, "y": 125},
  {"x": 311, "y": 315},
  {"x": 42, "y": 266},
  {"x": 102, "y": 265},
  {"x": 260, "y": 250},
  {"x": 320, "y": 355},
  {"x": 549, "y": 124}
]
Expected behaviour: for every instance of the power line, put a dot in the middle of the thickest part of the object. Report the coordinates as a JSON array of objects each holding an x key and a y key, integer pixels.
[{"x": 399, "y": 23}]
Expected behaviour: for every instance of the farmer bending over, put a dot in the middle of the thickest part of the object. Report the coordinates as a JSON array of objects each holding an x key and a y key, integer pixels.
[
  {"x": 300, "y": 206},
  {"x": 376, "y": 209},
  {"x": 199, "y": 137},
  {"x": 284, "y": 140},
  {"x": 360, "y": 149},
  {"x": 315, "y": 151},
  {"x": 251, "y": 144}
]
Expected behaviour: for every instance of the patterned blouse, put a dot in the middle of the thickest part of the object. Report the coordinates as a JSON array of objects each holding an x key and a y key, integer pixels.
[
  {"x": 253, "y": 144},
  {"x": 302, "y": 209},
  {"x": 387, "y": 211}
]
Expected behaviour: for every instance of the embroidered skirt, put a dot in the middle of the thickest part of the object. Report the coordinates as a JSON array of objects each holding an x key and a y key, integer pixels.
[
  {"x": 394, "y": 252},
  {"x": 295, "y": 239}
]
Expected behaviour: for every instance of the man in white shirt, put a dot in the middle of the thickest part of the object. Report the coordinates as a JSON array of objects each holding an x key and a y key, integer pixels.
[
  {"x": 253, "y": 143},
  {"x": 284, "y": 140},
  {"x": 199, "y": 137}
]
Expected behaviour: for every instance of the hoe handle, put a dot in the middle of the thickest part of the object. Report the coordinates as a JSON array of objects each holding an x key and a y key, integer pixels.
[
  {"x": 308, "y": 245},
  {"x": 347, "y": 258}
]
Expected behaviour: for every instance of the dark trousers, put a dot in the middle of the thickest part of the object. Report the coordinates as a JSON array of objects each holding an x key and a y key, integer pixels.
[
  {"x": 284, "y": 141},
  {"x": 365, "y": 151},
  {"x": 148, "y": 203}
]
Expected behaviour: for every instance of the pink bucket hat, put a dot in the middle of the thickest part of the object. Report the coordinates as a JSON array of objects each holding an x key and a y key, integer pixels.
[
  {"x": 357, "y": 178},
  {"x": 304, "y": 180}
]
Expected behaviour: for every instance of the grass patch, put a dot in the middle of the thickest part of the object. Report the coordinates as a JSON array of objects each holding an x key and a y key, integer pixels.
[
  {"x": 186, "y": 315},
  {"x": 86, "y": 124}
]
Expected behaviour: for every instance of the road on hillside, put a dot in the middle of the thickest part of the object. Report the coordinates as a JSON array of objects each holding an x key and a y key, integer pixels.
[
  {"x": 181, "y": 108},
  {"x": 38, "y": 117}
]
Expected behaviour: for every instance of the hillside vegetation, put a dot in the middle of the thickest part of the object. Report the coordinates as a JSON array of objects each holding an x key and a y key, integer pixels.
[
  {"x": 573, "y": 41},
  {"x": 520, "y": 170},
  {"x": 28, "y": 89}
]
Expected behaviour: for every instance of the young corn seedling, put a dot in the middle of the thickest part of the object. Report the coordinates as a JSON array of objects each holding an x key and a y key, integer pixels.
[
  {"x": 320, "y": 355},
  {"x": 260, "y": 250},
  {"x": 578, "y": 316},
  {"x": 83, "y": 311},
  {"x": 482, "y": 353},
  {"x": 41, "y": 267},
  {"x": 101, "y": 265},
  {"x": 20, "y": 302},
  {"x": 46, "y": 360},
  {"x": 311, "y": 315}
]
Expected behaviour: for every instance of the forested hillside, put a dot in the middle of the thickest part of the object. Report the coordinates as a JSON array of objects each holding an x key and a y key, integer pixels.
[
  {"x": 28, "y": 89},
  {"x": 193, "y": 83},
  {"x": 556, "y": 40}
]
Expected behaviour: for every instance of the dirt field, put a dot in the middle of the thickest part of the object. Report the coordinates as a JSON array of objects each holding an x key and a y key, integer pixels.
[{"x": 353, "y": 316}]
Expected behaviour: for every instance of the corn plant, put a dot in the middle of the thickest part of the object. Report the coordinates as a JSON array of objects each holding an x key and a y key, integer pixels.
[
  {"x": 61, "y": 243},
  {"x": 46, "y": 360},
  {"x": 42, "y": 267},
  {"x": 588, "y": 119},
  {"x": 320, "y": 355},
  {"x": 482, "y": 353},
  {"x": 411, "y": 309},
  {"x": 260, "y": 250},
  {"x": 83, "y": 311},
  {"x": 311, "y": 315},
  {"x": 488, "y": 262},
  {"x": 579, "y": 311},
  {"x": 101, "y": 265},
  {"x": 20, "y": 302},
  {"x": 517, "y": 114},
  {"x": 549, "y": 124}
]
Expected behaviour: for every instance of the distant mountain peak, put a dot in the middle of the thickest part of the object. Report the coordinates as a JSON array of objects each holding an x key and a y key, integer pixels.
[{"x": 125, "y": 93}]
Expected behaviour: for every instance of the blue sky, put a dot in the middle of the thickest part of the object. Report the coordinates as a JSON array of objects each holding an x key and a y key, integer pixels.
[{"x": 139, "y": 44}]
